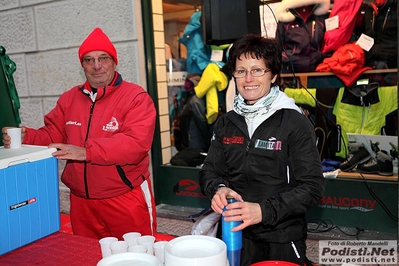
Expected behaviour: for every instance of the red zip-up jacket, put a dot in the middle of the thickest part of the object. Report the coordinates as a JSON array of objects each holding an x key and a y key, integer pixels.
[{"x": 116, "y": 129}]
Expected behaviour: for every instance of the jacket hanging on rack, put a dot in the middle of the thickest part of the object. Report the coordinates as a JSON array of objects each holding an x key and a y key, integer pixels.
[
  {"x": 198, "y": 54},
  {"x": 365, "y": 114},
  {"x": 347, "y": 63},
  {"x": 301, "y": 35},
  {"x": 9, "y": 100},
  {"x": 380, "y": 23},
  {"x": 347, "y": 12}
]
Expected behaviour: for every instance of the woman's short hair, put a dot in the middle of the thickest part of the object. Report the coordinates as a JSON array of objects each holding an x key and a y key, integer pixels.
[{"x": 257, "y": 47}]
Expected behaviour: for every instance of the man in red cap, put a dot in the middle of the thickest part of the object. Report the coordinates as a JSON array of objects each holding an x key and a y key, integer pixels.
[{"x": 104, "y": 130}]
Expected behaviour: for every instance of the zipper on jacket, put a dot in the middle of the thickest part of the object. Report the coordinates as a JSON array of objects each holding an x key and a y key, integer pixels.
[
  {"x": 87, "y": 136},
  {"x": 313, "y": 29},
  {"x": 372, "y": 23},
  {"x": 246, "y": 164},
  {"x": 386, "y": 17},
  {"x": 247, "y": 148},
  {"x": 363, "y": 121}
]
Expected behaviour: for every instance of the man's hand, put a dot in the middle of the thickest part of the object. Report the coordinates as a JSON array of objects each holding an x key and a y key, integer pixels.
[
  {"x": 68, "y": 152},
  {"x": 7, "y": 138}
]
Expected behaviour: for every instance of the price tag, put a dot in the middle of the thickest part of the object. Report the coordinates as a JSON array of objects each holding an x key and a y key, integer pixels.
[
  {"x": 366, "y": 42},
  {"x": 217, "y": 55},
  {"x": 362, "y": 82},
  {"x": 332, "y": 23}
]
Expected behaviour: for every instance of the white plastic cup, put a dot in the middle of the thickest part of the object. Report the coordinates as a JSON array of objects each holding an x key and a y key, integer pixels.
[
  {"x": 118, "y": 247},
  {"x": 159, "y": 250},
  {"x": 147, "y": 241},
  {"x": 15, "y": 135},
  {"x": 105, "y": 243},
  {"x": 131, "y": 238},
  {"x": 137, "y": 249}
]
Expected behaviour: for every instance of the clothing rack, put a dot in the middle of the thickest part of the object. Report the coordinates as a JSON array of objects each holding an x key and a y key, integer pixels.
[{"x": 303, "y": 77}]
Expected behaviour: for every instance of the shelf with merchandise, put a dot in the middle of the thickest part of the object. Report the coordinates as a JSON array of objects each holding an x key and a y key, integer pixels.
[{"x": 309, "y": 79}]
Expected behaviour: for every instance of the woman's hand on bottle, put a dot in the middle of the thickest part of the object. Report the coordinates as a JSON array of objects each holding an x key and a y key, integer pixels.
[
  {"x": 219, "y": 200},
  {"x": 248, "y": 212}
]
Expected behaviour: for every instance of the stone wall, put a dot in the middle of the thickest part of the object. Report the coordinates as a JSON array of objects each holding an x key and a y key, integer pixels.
[{"x": 42, "y": 37}]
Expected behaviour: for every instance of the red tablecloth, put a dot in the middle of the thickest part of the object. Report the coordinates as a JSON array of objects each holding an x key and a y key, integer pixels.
[{"x": 58, "y": 249}]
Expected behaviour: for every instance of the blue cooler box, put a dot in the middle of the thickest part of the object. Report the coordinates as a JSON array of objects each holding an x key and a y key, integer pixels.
[{"x": 29, "y": 195}]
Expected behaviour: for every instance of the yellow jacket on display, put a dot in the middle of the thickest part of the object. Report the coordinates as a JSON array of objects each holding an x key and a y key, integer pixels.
[{"x": 212, "y": 81}]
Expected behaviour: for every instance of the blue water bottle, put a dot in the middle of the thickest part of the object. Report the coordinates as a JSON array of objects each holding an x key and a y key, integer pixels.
[{"x": 233, "y": 240}]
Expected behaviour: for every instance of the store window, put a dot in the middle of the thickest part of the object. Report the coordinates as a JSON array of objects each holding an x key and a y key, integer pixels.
[
  {"x": 177, "y": 16},
  {"x": 191, "y": 127},
  {"x": 366, "y": 31},
  {"x": 349, "y": 94}
]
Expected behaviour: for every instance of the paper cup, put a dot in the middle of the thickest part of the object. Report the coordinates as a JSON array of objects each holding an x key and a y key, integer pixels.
[
  {"x": 118, "y": 247},
  {"x": 137, "y": 249},
  {"x": 147, "y": 241},
  {"x": 105, "y": 243},
  {"x": 15, "y": 135},
  {"x": 131, "y": 238},
  {"x": 159, "y": 250}
]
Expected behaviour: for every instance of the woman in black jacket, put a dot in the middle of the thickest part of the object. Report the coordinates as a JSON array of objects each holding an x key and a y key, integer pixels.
[{"x": 263, "y": 153}]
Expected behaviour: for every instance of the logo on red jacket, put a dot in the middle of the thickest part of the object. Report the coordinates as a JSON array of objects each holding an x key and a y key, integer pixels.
[{"x": 112, "y": 126}]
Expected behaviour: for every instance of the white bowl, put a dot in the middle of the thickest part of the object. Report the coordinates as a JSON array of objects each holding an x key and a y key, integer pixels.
[
  {"x": 129, "y": 259},
  {"x": 195, "y": 250}
]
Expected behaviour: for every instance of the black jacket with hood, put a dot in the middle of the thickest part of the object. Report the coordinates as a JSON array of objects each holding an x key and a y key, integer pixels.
[
  {"x": 301, "y": 39},
  {"x": 381, "y": 25}
]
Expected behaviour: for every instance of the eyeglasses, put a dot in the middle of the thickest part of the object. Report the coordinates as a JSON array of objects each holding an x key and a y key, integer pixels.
[
  {"x": 101, "y": 60},
  {"x": 256, "y": 72}
]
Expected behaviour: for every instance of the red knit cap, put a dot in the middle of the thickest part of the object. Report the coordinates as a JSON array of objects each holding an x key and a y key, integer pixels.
[{"x": 97, "y": 41}]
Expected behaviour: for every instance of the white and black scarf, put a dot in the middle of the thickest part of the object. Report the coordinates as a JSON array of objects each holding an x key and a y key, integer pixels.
[{"x": 260, "y": 111}]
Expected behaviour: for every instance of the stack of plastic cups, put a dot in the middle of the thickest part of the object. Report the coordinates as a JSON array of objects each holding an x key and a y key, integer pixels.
[{"x": 233, "y": 240}]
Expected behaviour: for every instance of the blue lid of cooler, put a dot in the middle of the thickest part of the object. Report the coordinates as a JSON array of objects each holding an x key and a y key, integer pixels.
[{"x": 27, "y": 153}]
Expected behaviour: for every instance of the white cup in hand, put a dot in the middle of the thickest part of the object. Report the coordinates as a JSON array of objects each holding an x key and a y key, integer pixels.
[{"x": 15, "y": 135}]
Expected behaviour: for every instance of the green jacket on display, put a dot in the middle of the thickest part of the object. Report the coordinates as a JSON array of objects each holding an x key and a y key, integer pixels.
[
  {"x": 9, "y": 101},
  {"x": 366, "y": 116}
]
